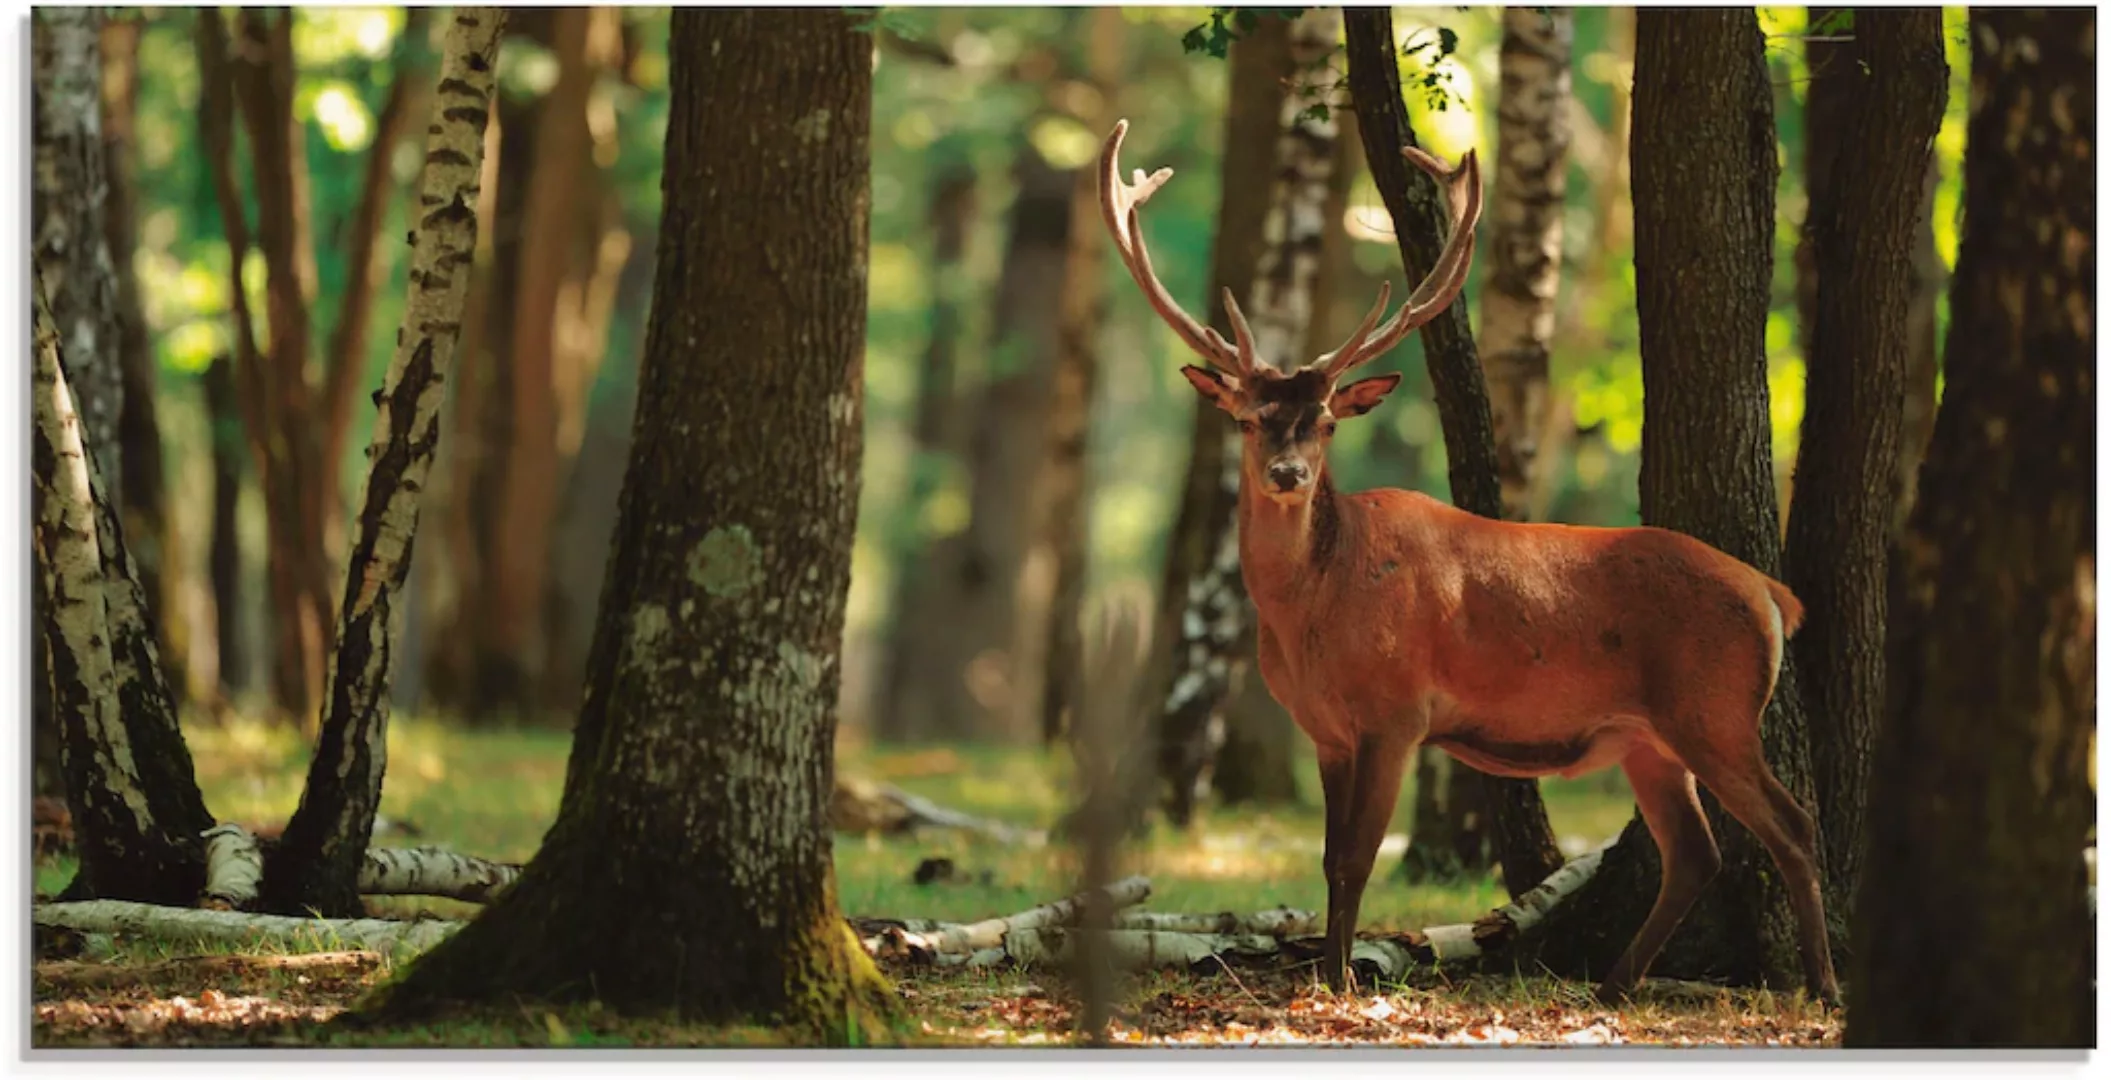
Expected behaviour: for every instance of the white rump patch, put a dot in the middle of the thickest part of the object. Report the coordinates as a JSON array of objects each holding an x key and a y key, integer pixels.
[{"x": 1774, "y": 641}]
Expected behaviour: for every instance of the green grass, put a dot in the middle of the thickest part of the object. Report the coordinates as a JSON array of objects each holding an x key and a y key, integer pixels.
[{"x": 493, "y": 792}]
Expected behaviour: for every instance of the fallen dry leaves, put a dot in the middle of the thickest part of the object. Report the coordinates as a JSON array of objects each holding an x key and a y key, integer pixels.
[{"x": 286, "y": 1005}]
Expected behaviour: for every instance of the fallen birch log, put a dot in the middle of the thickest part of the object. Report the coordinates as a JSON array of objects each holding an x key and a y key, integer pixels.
[
  {"x": 234, "y": 864},
  {"x": 434, "y": 872},
  {"x": 1277, "y": 922},
  {"x": 990, "y": 933},
  {"x": 395, "y": 937},
  {"x": 1135, "y": 950}
]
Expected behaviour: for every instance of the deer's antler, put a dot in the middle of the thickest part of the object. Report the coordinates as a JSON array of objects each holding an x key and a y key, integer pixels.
[
  {"x": 1463, "y": 192},
  {"x": 1117, "y": 203}
]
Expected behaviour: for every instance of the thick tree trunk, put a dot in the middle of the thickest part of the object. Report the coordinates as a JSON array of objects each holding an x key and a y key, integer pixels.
[
  {"x": 1524, "y": 246},
  {"x": 317, "y": 862},
  {"x": 1528, "y": 853},
  {"x": 224, "y": 556},
  {"x": 1062, "y": 491},
  {"x": 136, "y": 809},
  {"x": 689, "y": 868},
  {"x": 1884, "y": 96},
  {"x": 1973, "y": 927},
  {"x": 1704, "y": 169},
  {"x": 937, "y": 433}
]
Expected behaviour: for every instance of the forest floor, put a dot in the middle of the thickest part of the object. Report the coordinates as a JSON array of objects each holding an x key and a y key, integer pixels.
[{"x": 493, "y": 793}]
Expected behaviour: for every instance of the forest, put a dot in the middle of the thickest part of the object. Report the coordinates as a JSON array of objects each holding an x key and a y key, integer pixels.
[{"x": 855, "y": 527}]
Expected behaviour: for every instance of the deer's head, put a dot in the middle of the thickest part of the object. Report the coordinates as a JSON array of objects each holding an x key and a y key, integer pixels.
[{"x": 1288, "y": 417}]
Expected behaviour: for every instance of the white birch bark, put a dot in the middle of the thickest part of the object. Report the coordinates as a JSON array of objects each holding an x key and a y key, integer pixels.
[
  {"x": 234, "y": 864},
  {"x": 434, "y": 872},
  {"x": 330, "y": 830},
  {"x": 394, "y": 937}
]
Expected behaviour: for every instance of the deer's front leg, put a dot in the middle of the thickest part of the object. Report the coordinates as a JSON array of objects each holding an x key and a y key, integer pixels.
[
  {"x": 1337, "y": 780},
  {"x": 1373, "y": 788}
]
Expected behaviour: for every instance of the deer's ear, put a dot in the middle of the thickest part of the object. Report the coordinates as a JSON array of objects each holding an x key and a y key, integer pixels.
[
  {"x": 1361, "y": 396},
  {"x": 1215, "y": 387}
]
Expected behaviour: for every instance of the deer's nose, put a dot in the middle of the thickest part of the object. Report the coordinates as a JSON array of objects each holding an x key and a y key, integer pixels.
[{"x": 1287, "y": 475}]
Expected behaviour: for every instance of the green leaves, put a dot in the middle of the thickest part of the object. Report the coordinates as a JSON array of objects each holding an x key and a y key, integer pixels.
[
  {"x": 1434, "y": 78},
  {"x": 1227, "y": 25}
]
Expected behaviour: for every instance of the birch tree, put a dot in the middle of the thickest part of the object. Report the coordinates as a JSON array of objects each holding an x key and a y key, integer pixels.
[{"x": 317, "y": 863}]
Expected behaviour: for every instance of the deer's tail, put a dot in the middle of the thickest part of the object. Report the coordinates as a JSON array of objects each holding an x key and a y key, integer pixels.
[{"x": 1785, "y": 601}]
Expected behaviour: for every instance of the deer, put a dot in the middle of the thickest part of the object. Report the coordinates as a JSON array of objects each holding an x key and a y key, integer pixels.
[{"x": 1388, "y": 619}]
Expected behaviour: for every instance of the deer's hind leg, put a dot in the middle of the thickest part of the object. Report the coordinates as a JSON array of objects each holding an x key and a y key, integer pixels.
[
  {"x": 1670, "y": 807},
  {"x": 1740, "y": 779}
]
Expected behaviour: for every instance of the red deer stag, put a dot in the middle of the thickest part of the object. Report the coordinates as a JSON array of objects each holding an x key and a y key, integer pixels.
[{"x": 1389, "y": 619}]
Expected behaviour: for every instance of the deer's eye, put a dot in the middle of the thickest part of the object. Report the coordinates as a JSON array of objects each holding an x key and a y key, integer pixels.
[
  {"x": 1249, "y": 427},
  {"x": 1326, "y": 428}
]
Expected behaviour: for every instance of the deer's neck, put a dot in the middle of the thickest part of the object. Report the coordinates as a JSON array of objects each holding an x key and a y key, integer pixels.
[{"x": 1285, "y": 549}]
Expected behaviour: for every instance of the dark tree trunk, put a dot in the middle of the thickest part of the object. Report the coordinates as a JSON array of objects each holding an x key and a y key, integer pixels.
[
  {"x": 224, "y": 557},
  {"x": 937, "y": 431},
  {"x": 1884, "y": 93},
  {"x": 316, "y": 865},
  {"x": 1704, "y": 170},
  {"x": 1972, "y": 927},
  {"x": 1917, "y": 420},
  {"x": 689, "y": 868},
  {"x": 1529, "y": 853}
]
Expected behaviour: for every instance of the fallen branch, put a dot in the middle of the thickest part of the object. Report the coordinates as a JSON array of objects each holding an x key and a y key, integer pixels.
[
  {"x": 1278, "y": 922},
  {"x": 77, "y": 975},
  {"x": 863, "y": 806},
  {"x": 1135, "y": 950},
  {"x": 394, "y": 937},
  {"x": 433, "y": 872},
  {"x": 234, "y": 863},
  {"x": 955, "y": 939}
]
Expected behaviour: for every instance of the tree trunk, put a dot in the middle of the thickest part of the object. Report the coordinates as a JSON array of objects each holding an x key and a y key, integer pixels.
[
  {"x": 936, "y": 431},
  {"x": 1524, "y": 245},
  {"x": 259, "y": 77},
  {"x": 317, "y": 862},
  {"x": 224, "y": 556},
  {"x": 689, "y": 868},
  {"x": 1062, "y": 491},
  {"x": 1704, "y": 171},
  {"x": 1529, "y": 853},
  {"x": 75, "y": 271},
  {"x": 1973, "y": 927},
  {"x": 136, "y": 809},
  {"x": 1884, "y": 93},
  {"x": 346, "y": 365},
  {"x": 143, "y": 486},
  {"x": 969, "y": 669},
  {"x": 515, "y": 649},
  {"x": 1281, "y": 178},
  {"x": 1917, "y": 421},
  {"x": 483, "y": 415}
]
